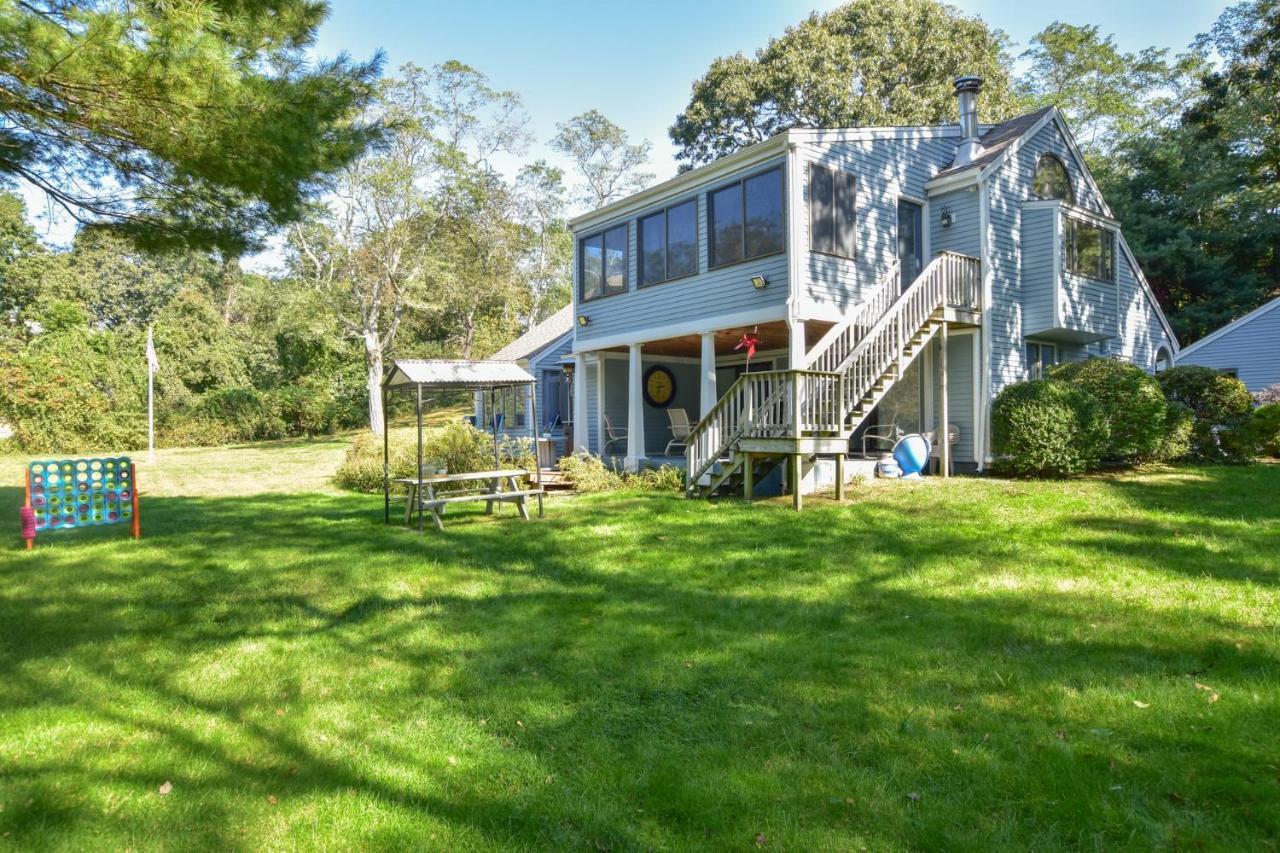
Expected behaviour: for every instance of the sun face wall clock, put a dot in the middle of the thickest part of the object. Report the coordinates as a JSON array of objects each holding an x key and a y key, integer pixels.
[{"x": 659, "y": 386}]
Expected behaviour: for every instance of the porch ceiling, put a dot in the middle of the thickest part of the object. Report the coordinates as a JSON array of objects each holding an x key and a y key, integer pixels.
[{"x": 773, "y": 336}]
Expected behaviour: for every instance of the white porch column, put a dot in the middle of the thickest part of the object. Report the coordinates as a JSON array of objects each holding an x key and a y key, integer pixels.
[
  {"x": 796, "y": 350},
  {"x": 635, "y": 411},
  {"x": 709, "y": 396},
  {"x": 579, "y": 403}
]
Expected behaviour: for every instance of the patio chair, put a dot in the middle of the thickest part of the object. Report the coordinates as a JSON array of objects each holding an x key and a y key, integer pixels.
[
  {"x": 680, "y": 429},
  {"x": 886, "y": 434},
  {"x": 935, "y": 453},
  {"x": 613, "y": 434}
]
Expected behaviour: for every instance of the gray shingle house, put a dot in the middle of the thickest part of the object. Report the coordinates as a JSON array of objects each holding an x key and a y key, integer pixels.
[
  {"x": 1248, "y": 348},
  {"x": 894, "y": 278}
]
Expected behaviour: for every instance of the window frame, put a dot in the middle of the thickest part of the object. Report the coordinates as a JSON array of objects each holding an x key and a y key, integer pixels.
[
  {"x": 666, "y": 237},
  {"x": 1066, "y": 173},
  {"x": 605, "y": 291},
  {"x": 742, "y": 196},
  {"x": 1071, "y": 252},
  {"x": 1036, "y": 369},
  {"x": 853, "y": 223}
]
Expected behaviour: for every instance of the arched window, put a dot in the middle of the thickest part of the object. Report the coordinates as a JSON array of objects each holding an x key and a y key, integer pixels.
[
  {"x": 1052, "y": 180},
  {"x": 1164, "y": 360}
]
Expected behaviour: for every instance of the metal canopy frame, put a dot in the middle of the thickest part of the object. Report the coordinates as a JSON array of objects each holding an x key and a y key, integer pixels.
[{"x": 416, "y": 375}]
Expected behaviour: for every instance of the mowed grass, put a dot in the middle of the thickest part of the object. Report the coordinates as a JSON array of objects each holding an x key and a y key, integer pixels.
[{"x": 974, "y": 664}]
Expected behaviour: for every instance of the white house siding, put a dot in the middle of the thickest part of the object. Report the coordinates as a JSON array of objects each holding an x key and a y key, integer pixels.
[
  {"x": 886, "y": 170},
  {"x": 1251, "y": 348},
  {"x": 642, "y": 312}
]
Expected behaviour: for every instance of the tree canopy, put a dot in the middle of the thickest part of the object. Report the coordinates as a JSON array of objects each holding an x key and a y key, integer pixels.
[
  {"x": 869, "y": 62},
  {"x": 191, "y": 121}
]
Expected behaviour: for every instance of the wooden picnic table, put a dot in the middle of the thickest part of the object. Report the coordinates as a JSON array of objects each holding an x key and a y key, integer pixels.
[{"x": 488, "y": 487}]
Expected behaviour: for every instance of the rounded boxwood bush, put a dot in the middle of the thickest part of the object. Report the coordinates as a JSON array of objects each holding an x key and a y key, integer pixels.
[
  {"x": 1132, "y": 401},
  {"x": 1263, "y": 429},
  {"x": 1221, "y": 405},
  {"x": 1047, "y": 428}
]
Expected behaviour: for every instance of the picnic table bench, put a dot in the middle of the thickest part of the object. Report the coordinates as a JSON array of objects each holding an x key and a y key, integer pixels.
[{"x": 488, "y": 486}]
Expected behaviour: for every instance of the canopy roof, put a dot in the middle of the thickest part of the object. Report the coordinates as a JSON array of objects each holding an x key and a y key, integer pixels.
[{"x": 454, "y": 374}]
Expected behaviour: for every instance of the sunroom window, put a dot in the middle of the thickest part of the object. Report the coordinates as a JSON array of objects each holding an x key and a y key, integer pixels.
[
  {"x": 746, "y": 218},
  {"x": 603, "y": 259},
  {"x": 669, "y": 243}
]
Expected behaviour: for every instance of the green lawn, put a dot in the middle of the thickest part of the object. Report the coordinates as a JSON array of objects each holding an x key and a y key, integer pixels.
[{"x": 975, "y": 664}]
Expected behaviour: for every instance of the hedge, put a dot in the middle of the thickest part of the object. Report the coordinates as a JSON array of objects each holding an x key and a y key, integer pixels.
[{"x": 1047, "y": 428}]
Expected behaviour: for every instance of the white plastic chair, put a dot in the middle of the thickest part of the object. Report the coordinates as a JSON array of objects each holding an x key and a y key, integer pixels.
[
  {"x": 953, "y": 438},
  {"x": 612, "y": 434},
  {"x": 680, "y": 429}
]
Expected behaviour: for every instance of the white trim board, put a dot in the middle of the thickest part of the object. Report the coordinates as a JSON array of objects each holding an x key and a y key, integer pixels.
[
  {"x": 754, "y": 316},
  {"x": 1229, "y": 328}
]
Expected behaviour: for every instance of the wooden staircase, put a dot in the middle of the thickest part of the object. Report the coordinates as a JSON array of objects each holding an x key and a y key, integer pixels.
[{"x": 771, "y": 416}]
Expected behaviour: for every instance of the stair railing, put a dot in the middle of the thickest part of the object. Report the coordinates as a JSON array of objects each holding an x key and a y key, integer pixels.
[
  {"x": 834, "y": 346},
  {"x": 950, "y": 280}
]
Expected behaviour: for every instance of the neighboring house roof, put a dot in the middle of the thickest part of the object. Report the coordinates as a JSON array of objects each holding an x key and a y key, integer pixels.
[
  {"x": 454, "y": 373},
  {"x": 1230, "y": 327},
  {"x": 547, "y": 332},
  {"x": 997, "y": 139}
]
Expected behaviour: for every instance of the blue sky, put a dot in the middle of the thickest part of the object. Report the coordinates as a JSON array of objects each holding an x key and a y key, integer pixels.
[{"x": 635, "y": 61}]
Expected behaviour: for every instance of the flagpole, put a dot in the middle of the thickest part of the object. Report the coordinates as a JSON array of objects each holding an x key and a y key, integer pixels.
[{"x": 151, "y": 412}]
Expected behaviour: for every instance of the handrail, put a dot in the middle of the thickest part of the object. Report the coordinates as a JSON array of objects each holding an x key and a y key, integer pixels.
[
  {"x": 831, "y": 348},
  {"x": 950, "y": 280},
  {"x": 806, "y": 402}
]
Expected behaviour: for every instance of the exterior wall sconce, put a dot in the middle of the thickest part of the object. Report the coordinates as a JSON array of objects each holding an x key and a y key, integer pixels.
[
  {"x": 583, "y": 319},
  {"x": 946, "y": 219},
  {"x": 759, "y": 282}
]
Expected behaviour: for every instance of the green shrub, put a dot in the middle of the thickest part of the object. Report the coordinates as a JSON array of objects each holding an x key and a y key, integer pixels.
[
  {"x": 1263, "y": 430},
  {"x": 588, "y": 473},
  {"x": 457, "y": 447},
  {"x": 74, "y": 391},
  {"x": 1221, "y": 405},
  {"x": 1132, "y": 402},
  {"x": 664, "y": 478},
  {"x": 252, "y": 415},
  {"x": 1175, "y": 441},
  {"x": 1046, "y": 428}
]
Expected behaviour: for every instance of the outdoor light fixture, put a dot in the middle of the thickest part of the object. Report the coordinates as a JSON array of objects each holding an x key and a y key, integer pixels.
[
  {"x": 758, "y": 282},
  {"x": 946, "y": 218},
  {"x": 583, "y": 320}
]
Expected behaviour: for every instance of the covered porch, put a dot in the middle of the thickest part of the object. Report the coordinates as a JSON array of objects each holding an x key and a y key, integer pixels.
[{"x": 630, "y": 396}]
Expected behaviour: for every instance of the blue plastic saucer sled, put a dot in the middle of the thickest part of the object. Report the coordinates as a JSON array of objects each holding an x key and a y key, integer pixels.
[{"x": 912, "y": 454}]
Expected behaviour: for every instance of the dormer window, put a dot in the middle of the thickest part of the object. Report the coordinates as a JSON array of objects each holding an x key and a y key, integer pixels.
[
  {"x": 1051, "y": 179},
  {"x": 1091, "y": 250}
]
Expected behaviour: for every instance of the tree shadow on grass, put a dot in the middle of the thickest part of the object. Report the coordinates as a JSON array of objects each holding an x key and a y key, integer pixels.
[{"x": 683, "y": 675}]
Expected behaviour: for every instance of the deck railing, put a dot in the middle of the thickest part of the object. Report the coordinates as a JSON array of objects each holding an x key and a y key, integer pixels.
[
  {"x": 832, "y": 349},
  {"x": 797, "y": 403},
  {"x": 949, "y": 281}
]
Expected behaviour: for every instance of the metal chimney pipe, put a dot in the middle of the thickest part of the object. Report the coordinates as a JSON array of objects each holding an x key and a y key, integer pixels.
[{"x": 967, "y": 89}]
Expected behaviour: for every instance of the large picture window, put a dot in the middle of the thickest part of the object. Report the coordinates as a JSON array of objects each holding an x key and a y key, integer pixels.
[
  {"x": 746, "y": 219},
  {"x": 603, "y": 259},
  {"x": 1091, "y": 250},
  {"x": 669, "y": 243},
  {"x": 831, "y": 211}
]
